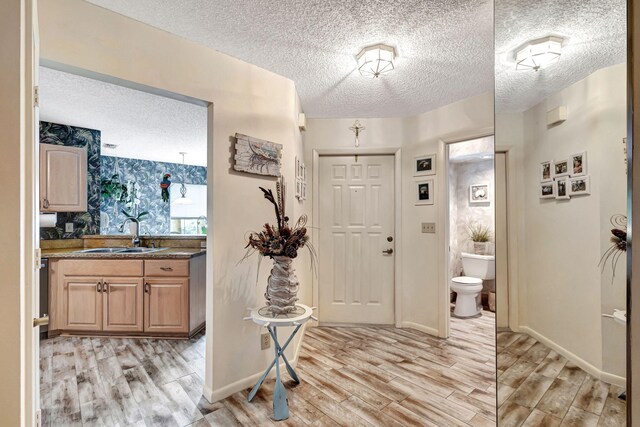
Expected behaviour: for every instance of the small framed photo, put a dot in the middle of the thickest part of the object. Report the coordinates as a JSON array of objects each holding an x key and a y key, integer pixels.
[
  {"x": 578, "y": 164},
  {"x": 425, "y": 165},
  {"x": 561, "y": 168},
  {"x": 424, "y": 192},
  {"x": 479, "y": 193},
  {"x": 580, "y": 185},
  {"x": 562, "y": 188},
  {"x": 547, "y": 190},
  {"x": 545, "y": 171}
]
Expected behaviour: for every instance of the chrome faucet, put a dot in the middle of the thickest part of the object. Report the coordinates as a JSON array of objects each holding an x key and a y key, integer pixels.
[{"x": 136, "y": 236}]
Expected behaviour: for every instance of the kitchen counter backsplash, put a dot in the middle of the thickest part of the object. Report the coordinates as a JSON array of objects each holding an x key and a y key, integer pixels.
[{"x": 148, "y": 175}]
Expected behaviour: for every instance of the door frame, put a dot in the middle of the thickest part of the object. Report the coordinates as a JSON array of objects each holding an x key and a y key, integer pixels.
[
  {"x": 315, "y": 198},
  {"x": 443, "y": 220}
]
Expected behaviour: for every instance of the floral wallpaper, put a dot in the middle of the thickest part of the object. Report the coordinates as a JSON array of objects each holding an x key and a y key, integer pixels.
[
  {"x": 83, "y": 222},
  {"x": 147, "y": 175}
]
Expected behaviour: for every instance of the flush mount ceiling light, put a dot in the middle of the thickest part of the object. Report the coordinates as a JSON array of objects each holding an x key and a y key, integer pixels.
[
  {"x": 376, "y": 60},
  {"x": 538, "y": 54}
]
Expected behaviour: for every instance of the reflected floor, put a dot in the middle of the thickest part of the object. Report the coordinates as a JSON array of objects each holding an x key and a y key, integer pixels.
[{"x": 539, "y": 387}]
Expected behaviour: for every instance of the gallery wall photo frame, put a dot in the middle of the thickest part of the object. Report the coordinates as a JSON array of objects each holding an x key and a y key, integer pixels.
[
  {"x": 561, "y": 168},
  {"x": 479, "y": 194},
  {"x": 424, "y": 192},
  {"x": 424, "y": 165},
  {"x": 578, "y": 164},
  {"x": 562, "y": 188},
  {"x": 546, "y": 171},
  {"x": 547, "y": 190},
  {"x": 579, "y": 185}
]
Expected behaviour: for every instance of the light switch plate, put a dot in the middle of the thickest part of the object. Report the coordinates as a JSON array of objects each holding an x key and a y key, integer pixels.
[
  {"x": 429, "y": 227},
  {"x": 68, "y": 227}
]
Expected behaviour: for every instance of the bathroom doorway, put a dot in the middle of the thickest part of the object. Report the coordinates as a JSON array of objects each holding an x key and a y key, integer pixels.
[
  {"x": 470, "y": 271},
  {"x": 503, "y": 292}
]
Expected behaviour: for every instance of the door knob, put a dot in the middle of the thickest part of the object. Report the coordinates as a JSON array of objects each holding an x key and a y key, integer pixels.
[
  {"x": 388, "y": 251},
  {"x": 41, "y": 321}
]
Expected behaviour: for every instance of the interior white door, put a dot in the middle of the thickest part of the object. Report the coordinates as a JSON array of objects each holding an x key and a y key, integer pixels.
[
  {"x": 502, "y": 253},
  {"x": 355, "y": 255}
]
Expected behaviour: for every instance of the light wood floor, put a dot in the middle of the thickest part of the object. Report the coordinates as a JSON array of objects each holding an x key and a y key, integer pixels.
[
  {"x": 350, "y": 377},
  {"x": 539, "y": 387}
]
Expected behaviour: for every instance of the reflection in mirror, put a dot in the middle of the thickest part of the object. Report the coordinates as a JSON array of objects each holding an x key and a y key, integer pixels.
[
  {"x": 560, "y": 124},
  {"x": 134, "y": 142}
]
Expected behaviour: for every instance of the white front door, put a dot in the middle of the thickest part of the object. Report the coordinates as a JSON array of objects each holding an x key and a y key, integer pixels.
[{"x": 356, "y": 259}]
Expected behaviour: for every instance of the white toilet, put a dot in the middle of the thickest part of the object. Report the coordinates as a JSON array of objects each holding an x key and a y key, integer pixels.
[{"x": 467, "y": 288}]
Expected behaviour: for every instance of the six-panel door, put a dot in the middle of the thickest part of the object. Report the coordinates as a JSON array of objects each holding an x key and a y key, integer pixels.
[
  {"x": 122, "y": 301},
  {"x": 82, "y": 303},
  {"x": 166, "y": 305}
]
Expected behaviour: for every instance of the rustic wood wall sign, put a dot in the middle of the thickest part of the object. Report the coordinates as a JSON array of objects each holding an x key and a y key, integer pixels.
[{"x": 257, "y": 156}]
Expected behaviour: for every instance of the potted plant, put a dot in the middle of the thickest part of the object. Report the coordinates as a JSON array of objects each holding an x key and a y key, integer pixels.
[
  {"x": 132, "y": 203},
  {"x": 281, "y": 243},
  {"x": 480, "y": 235}
]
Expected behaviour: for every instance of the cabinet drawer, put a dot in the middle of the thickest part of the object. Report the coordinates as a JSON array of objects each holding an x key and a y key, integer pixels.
[
  {"x": 102, "y": 267},
  {"x": 166, "y": 268}
]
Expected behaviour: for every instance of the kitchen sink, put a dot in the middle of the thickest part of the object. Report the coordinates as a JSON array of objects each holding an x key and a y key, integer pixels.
[
  {"x": 121, "y": 250},
  {"x": 141, "y": 250},
  {"x": 102, "y": 251}
]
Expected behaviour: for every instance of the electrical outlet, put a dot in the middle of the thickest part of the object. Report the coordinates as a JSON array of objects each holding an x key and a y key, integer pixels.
[
  {"x": 428, "y": 227},
  {"x": 68, "y": 227},
  {"x": 265, "y": 341}
]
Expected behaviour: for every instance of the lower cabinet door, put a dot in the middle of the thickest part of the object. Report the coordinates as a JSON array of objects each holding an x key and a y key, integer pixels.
[
  {"x": 82, "y": 303},
  {"x": 166, "y": 305},
  {"x": 122, "y": 304}
]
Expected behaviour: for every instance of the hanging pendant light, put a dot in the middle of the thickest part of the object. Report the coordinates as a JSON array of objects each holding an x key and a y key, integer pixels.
[{"x": 183, "y": 199}]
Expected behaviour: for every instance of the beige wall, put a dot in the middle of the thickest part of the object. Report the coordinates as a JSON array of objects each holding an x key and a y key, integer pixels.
[
  {"x": 559, "y": 281},
  {"x": 420, "y": 269},
  {"x": 247, "y": 99}
]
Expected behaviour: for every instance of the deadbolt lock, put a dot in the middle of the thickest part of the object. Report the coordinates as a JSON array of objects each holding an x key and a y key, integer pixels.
[{"x": 389, "y": 239}]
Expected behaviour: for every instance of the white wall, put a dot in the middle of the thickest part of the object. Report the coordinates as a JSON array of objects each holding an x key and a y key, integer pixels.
[
  {"x": 559, "y": 281},
  {"x": 416, "y": 136},
  {"x": 247, "y": 99}
]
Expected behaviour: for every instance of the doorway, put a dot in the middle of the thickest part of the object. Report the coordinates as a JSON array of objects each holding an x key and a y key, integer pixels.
[{"x": 356, "y": 277}]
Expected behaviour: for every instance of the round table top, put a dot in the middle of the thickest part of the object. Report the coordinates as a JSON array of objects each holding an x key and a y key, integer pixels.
[{"x": 262, "y": 317}]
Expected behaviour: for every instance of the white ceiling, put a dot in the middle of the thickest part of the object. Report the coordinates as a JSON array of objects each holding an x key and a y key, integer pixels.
[
  {"x": 595, "y": 37},
  {"x": 144, "y": 126},
  {"x": 445, "y": 47}
]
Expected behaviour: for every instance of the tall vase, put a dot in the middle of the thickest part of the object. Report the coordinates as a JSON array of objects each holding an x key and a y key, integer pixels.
[{"x": 282, "y": 287}]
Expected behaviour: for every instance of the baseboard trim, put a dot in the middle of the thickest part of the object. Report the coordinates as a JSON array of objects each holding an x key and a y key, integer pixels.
[
  {"x": 588, "y": 367},
  {"x": 421, "y": 328},
  {"x": 244, "y": 383}
]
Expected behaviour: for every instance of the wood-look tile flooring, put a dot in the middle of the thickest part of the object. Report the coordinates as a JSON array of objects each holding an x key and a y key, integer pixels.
[
  {"x": 539, "y": 387},
  {"x": 349, "y": 377}
]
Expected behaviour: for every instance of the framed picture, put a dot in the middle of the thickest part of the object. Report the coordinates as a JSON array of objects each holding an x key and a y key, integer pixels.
[
  {"x": 479, "y": 193},
  {"x": 424, "y": 192},
  {"x": 425, "y": 165},
  {"x": 561, "y": 168},
  {"x": 562, "y": 188},
  {"x": 547, "y": 190},
  {"x": 578, "y": 164},
  {"x": 257, "y": 156},
  {"x": 545, "y": 171},
  {"x": 580, "y": 185}
]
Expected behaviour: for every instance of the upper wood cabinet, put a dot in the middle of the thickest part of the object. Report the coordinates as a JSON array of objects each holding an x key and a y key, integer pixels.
[{"x": 63, "y": 178}]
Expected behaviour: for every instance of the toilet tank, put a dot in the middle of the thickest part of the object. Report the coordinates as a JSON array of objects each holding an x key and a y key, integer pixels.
[{"x": 480, "y": 266}]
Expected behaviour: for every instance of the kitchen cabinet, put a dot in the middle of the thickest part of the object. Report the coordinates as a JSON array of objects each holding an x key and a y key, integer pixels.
[
  {"x": 63, "y": 178},
  {"x": 154, "y": 297}
]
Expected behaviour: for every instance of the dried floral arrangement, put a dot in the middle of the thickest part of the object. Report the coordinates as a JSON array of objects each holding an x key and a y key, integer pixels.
[
  {"x": 280, "y": 239},
  {"x": 619, "y": 243}
]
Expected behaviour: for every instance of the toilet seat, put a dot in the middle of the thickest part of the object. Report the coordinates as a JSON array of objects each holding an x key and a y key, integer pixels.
[{"x": 467, "y": 281}]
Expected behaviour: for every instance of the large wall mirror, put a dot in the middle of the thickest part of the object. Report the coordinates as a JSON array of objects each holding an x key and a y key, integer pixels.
[{"x": 561, "y": 123}]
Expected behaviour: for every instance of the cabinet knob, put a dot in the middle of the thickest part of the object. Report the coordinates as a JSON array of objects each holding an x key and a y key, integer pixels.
[
  {"x": 105, "y": 287},
  {"x": 147, "y": 288},
  {"x": 45, "y": 203},
  {"x": 166, "y": 268},
  {"x": 99, "y": 287}
]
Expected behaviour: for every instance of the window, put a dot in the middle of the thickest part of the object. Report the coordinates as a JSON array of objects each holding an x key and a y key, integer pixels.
[{"x": 189, "y": 219}]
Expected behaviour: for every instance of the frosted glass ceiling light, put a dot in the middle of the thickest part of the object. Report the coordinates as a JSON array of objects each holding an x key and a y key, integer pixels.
[
  {"x": 538, "y": 54},
  {"x": 376, "y": 60}
]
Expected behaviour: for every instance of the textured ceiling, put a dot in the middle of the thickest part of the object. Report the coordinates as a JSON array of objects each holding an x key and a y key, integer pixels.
[
  {"x": 445, "y": 47},
  {"x": 595, "y": 37},
  {"x": 144, "y": 126}
]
